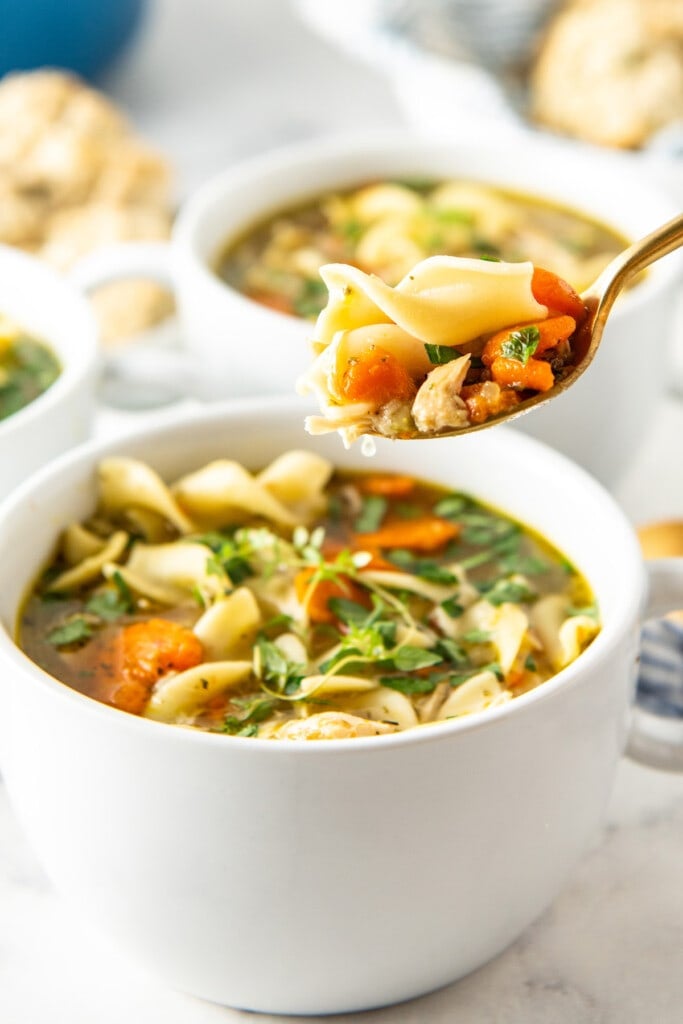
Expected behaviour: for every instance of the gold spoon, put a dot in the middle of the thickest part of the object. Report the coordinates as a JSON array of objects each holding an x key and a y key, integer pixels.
[{"x": 599, "y": 299}]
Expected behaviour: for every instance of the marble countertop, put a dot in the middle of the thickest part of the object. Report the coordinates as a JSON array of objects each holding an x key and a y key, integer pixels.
[{"x": 211, "y": 88}]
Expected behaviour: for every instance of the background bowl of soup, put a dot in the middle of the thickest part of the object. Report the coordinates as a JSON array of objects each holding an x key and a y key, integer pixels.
[
  {"x": 377, "y": 868},
  {"x": 48, "y": 367},
  {"x": 247, "y": 245}
]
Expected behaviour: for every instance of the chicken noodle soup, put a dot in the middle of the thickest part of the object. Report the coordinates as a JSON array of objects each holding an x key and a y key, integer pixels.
[
  {"x": 386, "y": 228},
  {"x": 457, "y": 342},
  {"x": 27, "y": 368},
  {"x": 300, "y": 602}
]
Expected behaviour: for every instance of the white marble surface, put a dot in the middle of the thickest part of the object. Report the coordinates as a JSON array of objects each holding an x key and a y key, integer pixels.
[{"x": 212, "y": 81}]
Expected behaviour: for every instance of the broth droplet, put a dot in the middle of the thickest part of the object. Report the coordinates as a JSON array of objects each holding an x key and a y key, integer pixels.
[{"x": 368, "y": 446}]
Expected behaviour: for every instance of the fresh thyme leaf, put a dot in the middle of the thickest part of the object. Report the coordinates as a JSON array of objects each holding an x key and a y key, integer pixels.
[
  {"x": 530, "y": 663},
  {"x": 452, "y": 607},
  {"x": 372, "y": 513},
  {"x": 311, "y": 298},
  {"x": 440, "y": 354},
  {"x": 528, "y": 565},
  {"x": 255, "y": 711},
  {"x": 476, "y": 636},
  {"x": 352, "y": 230},
  {"x": 350, "y": 612},
  {"x": 493, "y": 666},
  {"x": 274, "y": 668},
  {"x": 425, "y": 568},
  {"x": 76, "y": 631},
  {"x": 451, "y": 651},
  {"x": 229, "y": 558},
  {"x": 481, "y": 558},
  {"x": 521, "y": 345},
  {"x": 410, "y": 685},
  {"x": 452, "y": 506},
  {"x": 508, "y": 590},
  {"x": 198, "y": 596},
  {"x": 107, "y": 605},
  {"x": 409, "y": 658}
]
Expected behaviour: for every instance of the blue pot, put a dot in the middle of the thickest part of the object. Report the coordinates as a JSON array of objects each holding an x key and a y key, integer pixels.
[{"x": 84, "y": 36}]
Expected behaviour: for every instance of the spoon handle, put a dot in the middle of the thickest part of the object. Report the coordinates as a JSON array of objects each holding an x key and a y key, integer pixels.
[{"x": 631, "y": 261}]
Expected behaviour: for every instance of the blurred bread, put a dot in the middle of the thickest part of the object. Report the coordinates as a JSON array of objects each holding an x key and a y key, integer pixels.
[
  {"x": 75, "y": 176},
  {"x": 611, "y": 71},
  {"x": 662, "y": 540}
]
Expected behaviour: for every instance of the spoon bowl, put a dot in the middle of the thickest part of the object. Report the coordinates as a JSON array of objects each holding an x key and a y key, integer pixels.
[{"x": 599, "y": 299}]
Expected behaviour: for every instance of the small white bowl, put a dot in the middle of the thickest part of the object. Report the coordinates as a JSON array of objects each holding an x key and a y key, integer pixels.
[
  {"x": 54, "y": 312},
  {"x": 322, "y": 877},
  {"x": 236, "y": 347}
]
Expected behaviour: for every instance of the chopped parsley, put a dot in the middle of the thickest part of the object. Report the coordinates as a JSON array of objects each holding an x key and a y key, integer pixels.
[
  {"x": 72, "y": 633},
  {"x": 311, "y": 298},
  {"x": 274, "y": 667},
  {"x": 440, "y": 354},
  {"x": 371, "y": 514},
  {"x": 520, "y": 345}
]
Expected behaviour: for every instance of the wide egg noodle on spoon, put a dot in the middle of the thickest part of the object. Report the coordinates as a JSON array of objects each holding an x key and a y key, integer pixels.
[{"x": 394, "y": 361}]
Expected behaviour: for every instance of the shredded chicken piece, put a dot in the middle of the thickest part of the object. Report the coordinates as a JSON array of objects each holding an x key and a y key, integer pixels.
[
  {"x": 438, "y": 404},
  {"x": 330, "y": 725}
]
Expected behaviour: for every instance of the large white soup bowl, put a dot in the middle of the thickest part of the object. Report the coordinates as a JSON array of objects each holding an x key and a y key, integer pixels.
[
  {"x": 53, "y": 311},
  {"x": 236, "y": 347},
  {"x": 321, "y": 876}
]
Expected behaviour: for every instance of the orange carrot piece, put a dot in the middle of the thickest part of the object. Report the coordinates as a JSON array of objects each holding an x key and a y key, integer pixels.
[
  {"x": 428, "y": 533},
  {"x": 536, "y": 374},
  {"x": 555, "y": 293},
  {"x": 551, "y": 332},
  {"x": 390, "y": 486},
  {"x": 316, "y": 597},
  {"x": 376, "y": 376},
  {"x": 157, "y": 646}
]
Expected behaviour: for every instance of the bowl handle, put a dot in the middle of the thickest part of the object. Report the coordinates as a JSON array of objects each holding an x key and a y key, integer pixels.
[
  {"x": 152, "y": 370},
  {"x": 656, "y": 736}
]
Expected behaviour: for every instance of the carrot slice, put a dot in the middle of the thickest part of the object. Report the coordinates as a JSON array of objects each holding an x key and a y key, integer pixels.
[
  {"x": 391, "y": 486},
  {"x": 316, "y": 597},
  {"x": 428, "y": 533},
  {"x": 376, "y": 376},
  {"x": 551, "y": 332},
  {"x": 555, "y": 293},
  {"x": 536, "y": 374},
  {"x": 148, "y": 651}
]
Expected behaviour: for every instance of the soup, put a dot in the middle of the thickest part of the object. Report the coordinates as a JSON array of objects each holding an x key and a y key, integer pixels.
[
  {"x": 300, "y": 602},
  {"x": 27, "y": 368},
  {"x": 456, "y": 343},
  {"x": 386, "y": 228}
]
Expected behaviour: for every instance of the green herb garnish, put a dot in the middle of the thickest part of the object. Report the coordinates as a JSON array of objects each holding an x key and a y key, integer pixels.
[
  {"x": 409, "y": 658},
  {"x": 274, "y": 667},
  {"x": 311, "y": 298},
  {"x": 440, "y": 354},
  {"x": 72, "y": 633},
  {"x": 371, "y": 514},
  {"x": 521, "y": 345}
]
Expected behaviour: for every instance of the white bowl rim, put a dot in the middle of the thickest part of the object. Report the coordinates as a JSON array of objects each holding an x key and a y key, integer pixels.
[
  {"x": 346, "y": 144},
  {"x": 610, "y": 635},
  {"x": 74, "y": 369}
]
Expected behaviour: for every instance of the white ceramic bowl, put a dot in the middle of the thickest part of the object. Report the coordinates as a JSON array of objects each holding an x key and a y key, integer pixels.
[
  {"x": 321, "y": 877},
  {"x": 237, "y": 347},
  {"x": 51, "y": 309}
]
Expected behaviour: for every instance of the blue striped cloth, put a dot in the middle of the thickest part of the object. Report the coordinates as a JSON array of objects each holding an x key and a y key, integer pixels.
[{"x": 660, "y": 678}]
